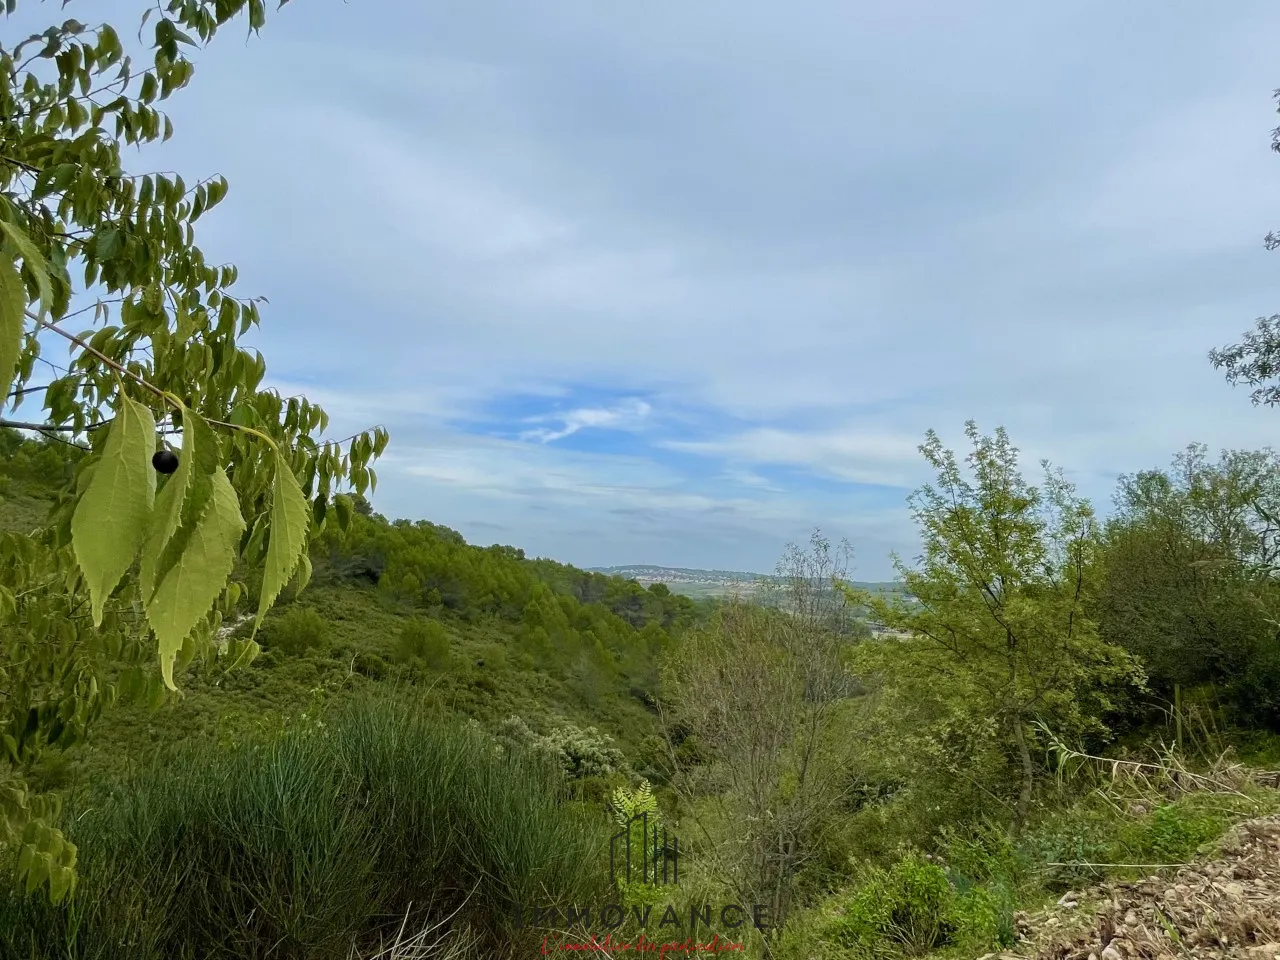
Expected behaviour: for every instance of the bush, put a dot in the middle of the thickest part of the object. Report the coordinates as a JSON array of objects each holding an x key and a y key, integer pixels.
[
  {"x": 581, "y": 754},
  {"x": 915, "y": 907},
  {"x": 425, "y": 640},
  {"x": 298, "y": 631},
  {"x": 984, "y": 916},
  {"x": 979, "y": 853},
  {"x": 1172, "y": 833},
  {"x": 370, "y": 665},
  {"x": 907, "y": 908},
  {"x": 305, "y": 844}
]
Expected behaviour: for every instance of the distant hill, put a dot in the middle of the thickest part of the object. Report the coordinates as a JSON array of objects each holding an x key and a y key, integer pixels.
[{"x": 715, "y": 583}]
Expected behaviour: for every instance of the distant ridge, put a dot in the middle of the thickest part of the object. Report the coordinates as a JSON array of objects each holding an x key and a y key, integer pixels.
[{"x": 704, "y": 583}]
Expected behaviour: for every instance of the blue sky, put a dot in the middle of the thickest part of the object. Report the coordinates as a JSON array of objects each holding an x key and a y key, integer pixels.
[{"x": 674, "y": 283}]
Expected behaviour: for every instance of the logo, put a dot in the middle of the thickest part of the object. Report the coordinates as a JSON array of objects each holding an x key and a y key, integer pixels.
[
  {"x": 641, "y": 852},
  {"x": 657, "y": 861}
]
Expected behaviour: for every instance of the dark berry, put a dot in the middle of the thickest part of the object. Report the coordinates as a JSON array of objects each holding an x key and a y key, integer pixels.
[{"x": 165, "y": 461}]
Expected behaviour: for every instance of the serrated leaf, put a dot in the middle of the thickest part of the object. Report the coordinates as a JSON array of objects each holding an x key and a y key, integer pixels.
[
  {"x": 13, "y": 300},
  {"x": 110, "y": 520},
  {"x": 303, "y": 575},
  {"x": 290, "y": 524},
  {"x": 33, "y": 260},
  {"x": 187, "y": 592},
  {"x": 181, "y": 502}
]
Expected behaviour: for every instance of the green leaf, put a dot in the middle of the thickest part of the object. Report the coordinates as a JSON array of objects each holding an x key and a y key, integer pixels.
[
  {"x": 110, "y": 520},
  {"x": 167, "y": 515},
  {"x": 107, "y": 244},
  {"x": 290, "y": 524},
  {"x": 178, "y": 512},
  {"x": 32, "y": 260},
  {"x": 188, "y": 591},
  {"x": 13, "y": 300}
]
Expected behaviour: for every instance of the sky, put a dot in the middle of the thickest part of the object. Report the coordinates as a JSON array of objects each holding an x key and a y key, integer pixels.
[{"x": 675, "y": 283}]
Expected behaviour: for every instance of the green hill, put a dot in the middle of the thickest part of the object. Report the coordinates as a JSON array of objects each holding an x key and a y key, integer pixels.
[{"x": 483, "y": 633}]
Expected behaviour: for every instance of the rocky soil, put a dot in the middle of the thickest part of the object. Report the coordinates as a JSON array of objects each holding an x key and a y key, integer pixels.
[{"x": 1224, "y": 909}]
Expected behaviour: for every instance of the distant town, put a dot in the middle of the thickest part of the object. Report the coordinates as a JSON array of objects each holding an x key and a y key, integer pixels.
[{"x": 717, "y": 583}]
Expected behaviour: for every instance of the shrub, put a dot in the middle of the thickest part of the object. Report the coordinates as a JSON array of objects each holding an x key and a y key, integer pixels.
[
  {"x": 298, "y": 631},
  {"x": 425, "y": 640},
  {"x": 984, "y": 916},
  {"x": 1078, "y": 835},
  {"x": 915, "y": 907},
  {"x": 980, "y": 853},
  {"x": 370, "y": 665},
  {"x": 907, "y": 908},
  {"x": 1173, "y": 832},
  {"x": 581, "y": 754},
  {"x": 308, "y": 843}
]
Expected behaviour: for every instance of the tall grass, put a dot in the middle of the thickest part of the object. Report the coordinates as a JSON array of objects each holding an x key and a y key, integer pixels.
[{"x": 317, "y": 840}]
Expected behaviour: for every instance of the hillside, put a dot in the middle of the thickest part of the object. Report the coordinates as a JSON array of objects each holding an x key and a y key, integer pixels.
[
  {"x": 693, "y": 582},
  {"x": 401, "y": 693},
  {"x": 479, "y": 633}
]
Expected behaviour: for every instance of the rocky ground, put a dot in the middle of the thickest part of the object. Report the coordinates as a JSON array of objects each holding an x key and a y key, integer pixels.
[{"x": 1224, "y": 909}]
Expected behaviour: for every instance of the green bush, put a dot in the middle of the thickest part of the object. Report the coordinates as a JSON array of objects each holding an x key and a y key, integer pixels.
[
  {"x": 304, "y": 845},
  {"x": 581, "y": 754},
  {"x": 425, "y": 640},
  {"x": 984, "y": 915},
  {"x": 905, "y": 909},
  {"x": 370, "y": 665},
  {"x": 1173, "y": 832},
  {"x": 980, "y": 853},
  {"x": 915, "y": 907},
  {"x": 298, "y": 631},
  {"x": 1081, "y": 835}
]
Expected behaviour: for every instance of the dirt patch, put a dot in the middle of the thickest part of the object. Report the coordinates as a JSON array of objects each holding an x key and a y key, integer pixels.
[{"x": 1225, "y": 909}]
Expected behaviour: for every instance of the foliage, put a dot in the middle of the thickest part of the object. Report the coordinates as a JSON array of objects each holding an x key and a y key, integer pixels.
[
  {"x": 425, "y": 640},
  {"x": 579, "y": 753},
  {"x": 913, "y": 907},
  {"x": 298, "y": 631},
  {"x": 82, "y": 237},
  {"x": 1255, "y": 360},
  {"x": 998, "y": 623},
  {"x": 770, "y": 777},
  {"x": 629, "y": 804},
  {"x": 304, "y": 845},
  {"x": 1187, "y": 576}
]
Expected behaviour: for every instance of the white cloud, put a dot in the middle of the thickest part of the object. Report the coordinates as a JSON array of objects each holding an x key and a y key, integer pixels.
[
  {"x": 858, "y": 454},
  {"x": 624, "y": 416}
]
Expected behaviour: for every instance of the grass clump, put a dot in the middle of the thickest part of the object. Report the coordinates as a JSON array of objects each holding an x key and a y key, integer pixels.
[{"x": 313, "y": 842}]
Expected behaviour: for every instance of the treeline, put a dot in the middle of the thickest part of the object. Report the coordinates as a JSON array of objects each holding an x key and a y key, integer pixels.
[
  {"x": 1187, "y": 580},
  {"x": 29, "y": 466},
  {"x": 433, "y": 567}
]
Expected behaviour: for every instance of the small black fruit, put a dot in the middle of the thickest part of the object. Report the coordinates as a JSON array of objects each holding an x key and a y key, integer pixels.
[{"x": 165, "y": 461}]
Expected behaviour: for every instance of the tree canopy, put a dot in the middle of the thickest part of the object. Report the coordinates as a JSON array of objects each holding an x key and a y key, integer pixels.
[{"x": 998, "y": 624}]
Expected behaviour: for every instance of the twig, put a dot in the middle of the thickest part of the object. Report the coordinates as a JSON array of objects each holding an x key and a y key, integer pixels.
[
  {"x": 1136, "y": 866},
  {"x": 48, "y": 427}
]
